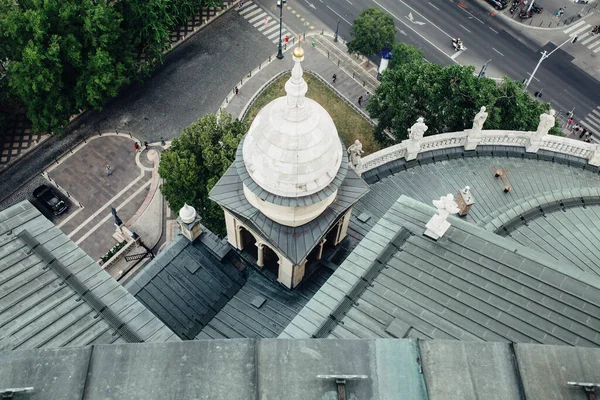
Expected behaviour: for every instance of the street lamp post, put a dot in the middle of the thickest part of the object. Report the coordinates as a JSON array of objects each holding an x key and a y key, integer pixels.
[
  {"x": 337, "y": 28},
  {"x": 545, "y": 55},
  {"x": 280, "y": 4},
  {"x": 484, "y": 69}
]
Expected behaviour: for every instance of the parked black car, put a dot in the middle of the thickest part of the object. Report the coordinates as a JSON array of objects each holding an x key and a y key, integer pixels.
[
  {"x": 498, "y": 4},
  {"x": 48, "y": 197}
]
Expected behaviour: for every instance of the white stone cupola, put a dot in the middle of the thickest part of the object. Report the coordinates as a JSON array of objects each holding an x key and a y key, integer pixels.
[{"x": 288, "y": 173}]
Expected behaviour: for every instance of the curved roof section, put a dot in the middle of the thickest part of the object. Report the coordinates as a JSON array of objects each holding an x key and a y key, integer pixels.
[
  {"x": 440, "y": 172},
  {"x": 563, "y": 224}
]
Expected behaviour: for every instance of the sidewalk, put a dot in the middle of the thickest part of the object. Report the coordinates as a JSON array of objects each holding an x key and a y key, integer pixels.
[
  {"x": 354, "y": 76},
  {"x": 131, "y": 188}
]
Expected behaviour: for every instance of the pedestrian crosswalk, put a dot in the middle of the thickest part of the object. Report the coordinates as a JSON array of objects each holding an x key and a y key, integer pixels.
[
  {"x": 263, "y": 22},
  {"x": 584, "y": 32},
  {"x": 592, "y": 121}
]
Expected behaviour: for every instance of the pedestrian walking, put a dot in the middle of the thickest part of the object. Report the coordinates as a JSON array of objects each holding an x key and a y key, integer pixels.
[
  {"x": 266, "y": 21},
  {"x": 146, "y": 144},
  {"x": 584, "y": 132},
  {"x": 334, "y": 78},
  {"x": 367, "y": 96},
  {"x": 136, "y": 147},
  {"x": 360, "y": 100},
  {"x": 575, "y": 129},
  {"x": 569, "y": 122},
  {"x": 108, "y": 170},
  {"x": 236, "y": 90}
]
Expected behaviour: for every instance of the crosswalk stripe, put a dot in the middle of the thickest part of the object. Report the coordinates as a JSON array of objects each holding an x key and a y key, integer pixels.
[
  {"x": 259, "y": 23},
  {"x": 250, "y": 14},
  {"x": 592, "y": 37},
  {"x": 268, "y": 31},
  {"x": 596, "y": 112},
  {"x": 593, "y": 118},
  {"x": 259, "y": 16},
  {"x": 248, "y": 8},
  {"x": 590, "y": 126},
  {"x": 269, "y": 25},
  {"x": 591, "y": 46},
  {"x": 574, "y": 27},
  {"x": 274, "y": 35},
  {"x": 577, "y": 32},
  {"x": 597, "y": 50}
]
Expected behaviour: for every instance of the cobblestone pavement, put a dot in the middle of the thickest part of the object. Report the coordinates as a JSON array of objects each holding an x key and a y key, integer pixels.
[
  {"x": 17, "y": 139},
  {"x": 82, "y": 177}
]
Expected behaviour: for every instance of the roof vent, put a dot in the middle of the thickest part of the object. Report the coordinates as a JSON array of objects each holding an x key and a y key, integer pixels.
[
  {"x": 340, "y": 382},
  {"x": 398, "y": 328},
  {"x": 590, "y": 388},
  {"x": 258, "y": 301}
]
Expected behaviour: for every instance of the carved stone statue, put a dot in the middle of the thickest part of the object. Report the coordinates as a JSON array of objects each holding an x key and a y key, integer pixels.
[
  {"x": 118, "y": 221},
  {"x": 437, "y": 225},
  {"x": 417, "y": 131},
  {"x": 479, "y": 120},
  {"x": 355, "y": 151},
  {"x": 547, "y": 121}
]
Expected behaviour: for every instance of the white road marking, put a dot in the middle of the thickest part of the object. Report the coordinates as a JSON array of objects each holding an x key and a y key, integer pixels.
[
  {"x": 574, "y": 27},
  {"x": 597, "y": 50},
  {"x": 498, "y": 52},
  {"x": 248, "y": 8},
  {"x": 433, "y": 6},
  {"x": 123, "y": 204},
  {"x": 275, "y": 34},
  {"x": 586, "y": 41},
  {"x": 336, "y": 13},
  {"x": 349, "y": 2},
  {"x": 591, "y": 46},
  {"x": 259, "y": 16},
  {"x": 471, "y": 14},
  {"x": 271, "y": 29},
  {"x": 577, "y": 32},
  {"x": 596, "y": 112},
  {"x": 456, "y": 54},
  {"x": 529, "y": 73},
  {"x": 250, "y": 14},
  {"x": 70, "y": 216},
  {"x": 465, "y": 28},
  {"x": 493, "y": 30},
  {"x": 412, "y": 19},
  {"x": 422, "y": 16},
  {"x": 269, "y": 25},
  {"x": 411, "y": 28}
]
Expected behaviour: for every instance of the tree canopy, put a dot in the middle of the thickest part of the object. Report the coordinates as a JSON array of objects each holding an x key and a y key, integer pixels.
[
  {"x": 372, "y": 31},
  {"x": 195, "y": 162},
  {"x": 67, "y": 56},
  {"x": 447, "y": 97}
]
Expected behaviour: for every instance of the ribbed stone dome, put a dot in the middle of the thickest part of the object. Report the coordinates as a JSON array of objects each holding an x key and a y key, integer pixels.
[{"x": 292, "y": 148}]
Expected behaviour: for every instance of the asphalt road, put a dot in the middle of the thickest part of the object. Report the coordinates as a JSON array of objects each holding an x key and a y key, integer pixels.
[
  {"x": 431, "y": 24},
  {"x": 193, "y": 81}
]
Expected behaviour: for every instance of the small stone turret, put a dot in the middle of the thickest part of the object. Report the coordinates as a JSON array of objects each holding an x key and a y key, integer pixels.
[{"x": 189, "y": 222}]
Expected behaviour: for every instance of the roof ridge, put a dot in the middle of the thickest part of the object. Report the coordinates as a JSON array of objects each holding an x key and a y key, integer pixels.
[{"x": 509, "y": 245}]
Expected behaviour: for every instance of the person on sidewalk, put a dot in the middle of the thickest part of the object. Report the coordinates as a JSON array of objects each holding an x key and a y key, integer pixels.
[
  {"x": 136, "y": 147},
  {"x": 575, "y": 129},
  {"x": 108, "y": 170},
  {"x": 569, "y": 123},
  {"x": 334, "y": 78},
  {"x": 146, "y": 144},
  {"x": 236, "y": 90},
  {"x": 360, "y": 100},
  {"x": 583, "y": 133}
]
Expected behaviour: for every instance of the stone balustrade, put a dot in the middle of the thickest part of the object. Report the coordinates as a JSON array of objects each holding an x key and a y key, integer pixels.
[{"x": 558, "y": 144}]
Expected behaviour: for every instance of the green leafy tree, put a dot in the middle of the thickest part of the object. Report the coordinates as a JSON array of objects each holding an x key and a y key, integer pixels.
[
  {"x": 372, "y": 31},
  {"x": 64, "y": 56},
  {"x": 196, "y": 161},
  {"x": 447, "y": 97}
]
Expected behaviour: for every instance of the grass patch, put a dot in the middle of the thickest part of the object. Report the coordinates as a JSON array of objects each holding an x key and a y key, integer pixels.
[{"x": 350, "y": 125}]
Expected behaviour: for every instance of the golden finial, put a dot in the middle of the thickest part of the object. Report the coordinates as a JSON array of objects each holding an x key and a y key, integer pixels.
[{"x": 298, "y": 51}]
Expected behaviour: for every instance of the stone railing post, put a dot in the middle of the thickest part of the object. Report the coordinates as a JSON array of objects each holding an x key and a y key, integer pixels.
[
  {"x": 595, "y": 157},
  {"x": 415, "y": 135}
]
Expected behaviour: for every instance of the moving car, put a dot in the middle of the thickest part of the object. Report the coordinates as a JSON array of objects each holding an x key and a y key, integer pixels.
[
  {"x": 498, "y": 4},
  {"x": 48, "y": 197}
]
